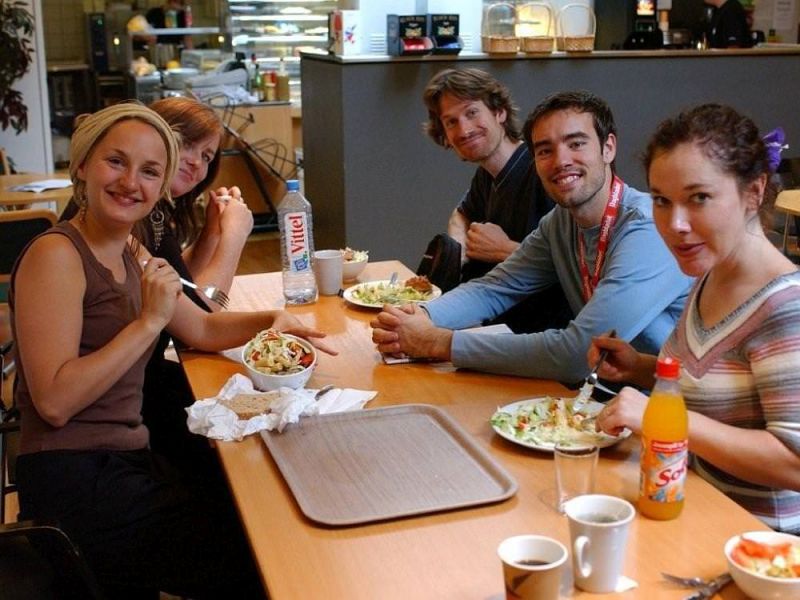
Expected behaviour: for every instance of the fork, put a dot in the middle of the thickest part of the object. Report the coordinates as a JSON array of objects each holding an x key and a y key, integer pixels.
[
  {"x": 712, "y": 588},
  {"x": 211, "y": 292},
  {"x": 585, "y": 392},
  {"x": 706, "y": 588}
]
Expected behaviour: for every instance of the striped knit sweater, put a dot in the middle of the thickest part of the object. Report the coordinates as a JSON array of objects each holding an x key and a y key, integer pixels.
[{"x": 745, "y": 372}]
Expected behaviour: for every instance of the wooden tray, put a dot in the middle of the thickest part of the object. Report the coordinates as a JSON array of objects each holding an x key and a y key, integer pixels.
[{"x": 385, "y": 463}]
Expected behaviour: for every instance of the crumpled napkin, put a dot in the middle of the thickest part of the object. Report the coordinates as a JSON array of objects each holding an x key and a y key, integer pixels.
[{"x": 210, "y": 418}]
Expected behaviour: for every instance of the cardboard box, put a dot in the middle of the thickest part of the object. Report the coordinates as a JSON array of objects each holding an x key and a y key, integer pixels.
[
  {"x": 407, "y": 35},
  {"x": 346, "y": 33}
]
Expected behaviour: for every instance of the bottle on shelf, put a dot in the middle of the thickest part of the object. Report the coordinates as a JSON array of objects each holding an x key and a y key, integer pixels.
[
  {"x": 282, "y": 83},
  {"x": 665, "y": 446},
  {"x": 268, "y": 86},
  {"x": 188, "y": 20},
  {"x": 256, "y": 79},
  {"x": 170, "y": 19},
  {"x": 297, "y": 246}
]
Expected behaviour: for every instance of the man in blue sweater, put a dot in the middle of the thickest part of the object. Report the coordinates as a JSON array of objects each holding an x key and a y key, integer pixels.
[{"x": 599, "y": 244}]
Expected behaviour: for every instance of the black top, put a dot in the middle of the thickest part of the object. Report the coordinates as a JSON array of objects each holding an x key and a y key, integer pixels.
[
  {"x": 729, "y": 26},
  {"x": 515, "y": 201}
]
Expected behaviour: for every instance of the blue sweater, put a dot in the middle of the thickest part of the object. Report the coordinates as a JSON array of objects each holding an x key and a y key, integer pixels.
[{"x": 641, "y": 294}]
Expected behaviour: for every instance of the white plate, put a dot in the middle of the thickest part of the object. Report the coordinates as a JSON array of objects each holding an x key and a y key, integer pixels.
[
  {"x": 348, "y": 293},
  {"x": 603, "y": 440}
]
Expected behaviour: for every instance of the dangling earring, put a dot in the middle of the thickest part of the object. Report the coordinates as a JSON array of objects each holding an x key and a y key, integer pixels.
[
  {"x": 157, "y": 223},
  {"x": 83, "y": 204}
]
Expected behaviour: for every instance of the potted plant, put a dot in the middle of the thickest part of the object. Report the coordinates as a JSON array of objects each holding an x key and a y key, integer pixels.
[{"x": 16, "y": 50}]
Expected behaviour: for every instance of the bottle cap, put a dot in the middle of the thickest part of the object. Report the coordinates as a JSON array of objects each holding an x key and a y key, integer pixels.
[
  {"x": 292, "y": 185},
  {"x": 667, "y": 367}
]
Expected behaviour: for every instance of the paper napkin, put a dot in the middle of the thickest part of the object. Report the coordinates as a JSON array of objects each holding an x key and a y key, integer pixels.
[
  {"x": 210, "y": 418},
  {"x": 41, "y": 186}
]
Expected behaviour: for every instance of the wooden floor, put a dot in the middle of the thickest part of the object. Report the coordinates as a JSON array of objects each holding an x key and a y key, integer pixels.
[{"x": 261, "y": 254}]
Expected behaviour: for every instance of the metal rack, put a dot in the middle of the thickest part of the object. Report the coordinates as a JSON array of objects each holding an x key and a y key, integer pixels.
[{"x": 267, "y": 152}]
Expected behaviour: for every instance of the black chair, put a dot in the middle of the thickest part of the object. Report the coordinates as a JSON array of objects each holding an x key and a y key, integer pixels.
[
  {"x": 9, "y": 434},
  {"x": 39, "y": 562},
  {"x": 17, "y": 228}
]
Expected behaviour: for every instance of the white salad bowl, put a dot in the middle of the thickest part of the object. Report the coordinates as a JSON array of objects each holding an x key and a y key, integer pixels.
[
  {"x": 268, "y": 381},
  {"x": 755, "y": 585},
  {"x": 352, "y": 269}
]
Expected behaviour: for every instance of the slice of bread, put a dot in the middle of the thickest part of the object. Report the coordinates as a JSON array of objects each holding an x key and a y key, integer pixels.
[{"x": 247, "y": 406}]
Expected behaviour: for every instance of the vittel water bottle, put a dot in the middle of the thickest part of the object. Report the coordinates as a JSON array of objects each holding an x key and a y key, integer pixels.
[{"x": 297, "y": 246}]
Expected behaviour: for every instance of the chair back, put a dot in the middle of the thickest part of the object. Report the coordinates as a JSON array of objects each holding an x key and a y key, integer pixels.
[
  {"x": 38, "y": 560},
  {"x": 5, "y": 167},
  {"x": 17, "y": 228}
]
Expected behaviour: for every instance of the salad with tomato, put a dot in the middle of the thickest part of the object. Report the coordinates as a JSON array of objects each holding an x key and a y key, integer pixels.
[
  {"x": 275, "y": 354},
  {"x": 772, "y": 560}
]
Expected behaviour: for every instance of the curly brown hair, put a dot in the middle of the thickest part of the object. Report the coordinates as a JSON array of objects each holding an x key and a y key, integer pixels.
[
  {"x": 729, "y": 139},
  {"x": 467, "y": 84}
]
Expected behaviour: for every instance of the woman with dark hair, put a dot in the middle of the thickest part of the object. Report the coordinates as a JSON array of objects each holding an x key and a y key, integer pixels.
[
  {"x": 738, "y": 339},
  {"x": 209, "y": 251},
  {"x": 206, "y": 252}
]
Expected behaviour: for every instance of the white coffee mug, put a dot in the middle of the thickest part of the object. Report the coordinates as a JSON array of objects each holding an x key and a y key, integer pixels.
[
  {"x": 598, "y": 530},
  {"x": 328, "y": 271},
  {"x": 532, "y": 567}
]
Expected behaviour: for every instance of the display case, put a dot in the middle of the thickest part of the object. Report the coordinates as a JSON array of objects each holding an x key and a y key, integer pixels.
[{"x": 280, "y": 29}]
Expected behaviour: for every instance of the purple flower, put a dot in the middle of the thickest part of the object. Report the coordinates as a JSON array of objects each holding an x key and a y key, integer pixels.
[{"x": 775, "y": 143}]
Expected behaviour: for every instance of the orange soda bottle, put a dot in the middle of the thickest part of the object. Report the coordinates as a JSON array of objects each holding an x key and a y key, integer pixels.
[{"x": 665, "y": 445}]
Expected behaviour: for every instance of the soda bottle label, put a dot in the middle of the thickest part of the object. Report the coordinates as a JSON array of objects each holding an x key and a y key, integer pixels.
[
  {"x": 297, "y": 245},
  {"x": 663, "y": 471}
]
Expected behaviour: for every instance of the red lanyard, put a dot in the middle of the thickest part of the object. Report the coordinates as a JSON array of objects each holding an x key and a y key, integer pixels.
[{"x": 609, "y": 218}]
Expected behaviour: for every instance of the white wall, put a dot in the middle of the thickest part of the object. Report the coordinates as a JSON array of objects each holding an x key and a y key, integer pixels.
[
  {"x": 32, "y": 150},
  {"x": 769, "y": 14}
]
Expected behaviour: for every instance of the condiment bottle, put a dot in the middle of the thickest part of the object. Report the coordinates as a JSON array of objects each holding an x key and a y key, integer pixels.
[
  {"x": 282, "y": 83},
  {"x": 665, "y": 446}
]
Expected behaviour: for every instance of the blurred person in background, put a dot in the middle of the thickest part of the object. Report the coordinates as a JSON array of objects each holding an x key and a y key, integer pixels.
[{"x": 728, "y": 26}]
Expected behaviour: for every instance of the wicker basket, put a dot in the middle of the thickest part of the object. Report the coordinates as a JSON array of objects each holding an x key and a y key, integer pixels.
[
  {"x": 579, "y": 43},
  {"x": 537, "y": 44},
  {"x": 576, "y": 39},
  {"x": 495, "y": 44}
]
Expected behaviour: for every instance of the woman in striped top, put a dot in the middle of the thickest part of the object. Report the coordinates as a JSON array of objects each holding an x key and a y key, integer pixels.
[{"x": 738, "y": 339}]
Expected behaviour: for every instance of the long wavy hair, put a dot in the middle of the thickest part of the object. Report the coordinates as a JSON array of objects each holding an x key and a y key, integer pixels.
[{"x": 193, "y": 121}]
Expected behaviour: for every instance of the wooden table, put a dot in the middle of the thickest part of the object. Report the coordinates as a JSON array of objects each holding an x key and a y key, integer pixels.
[
  {"x": 9, "y": 198},
  {"x": 448, "y": 555},
  {"x": 788, "y": 202}
]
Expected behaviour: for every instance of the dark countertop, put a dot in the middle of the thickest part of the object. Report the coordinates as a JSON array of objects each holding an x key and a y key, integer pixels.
[{"x": 764, "y": 50}]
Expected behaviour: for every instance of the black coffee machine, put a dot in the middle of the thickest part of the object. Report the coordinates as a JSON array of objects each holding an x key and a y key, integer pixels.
[{"x": 646, "y": 34}]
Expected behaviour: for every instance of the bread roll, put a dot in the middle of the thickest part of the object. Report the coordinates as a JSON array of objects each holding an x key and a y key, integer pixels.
[{"x": 247, "y": 406}]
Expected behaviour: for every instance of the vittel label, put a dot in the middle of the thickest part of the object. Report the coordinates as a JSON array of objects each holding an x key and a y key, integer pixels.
[
  {"x": 297, "y": 246},
  {"x": 664, "y": 467}
]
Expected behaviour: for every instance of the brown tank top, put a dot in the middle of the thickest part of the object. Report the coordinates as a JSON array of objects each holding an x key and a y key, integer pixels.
[{"x": 114, "y": 420}]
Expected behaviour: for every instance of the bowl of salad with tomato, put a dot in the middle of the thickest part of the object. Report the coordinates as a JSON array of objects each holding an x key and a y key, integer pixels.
[
  {"x": 275, "y": 360},
  {"x": 765, "y": 564}
]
